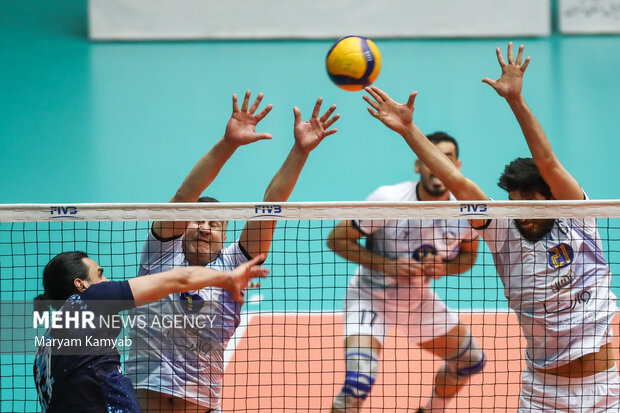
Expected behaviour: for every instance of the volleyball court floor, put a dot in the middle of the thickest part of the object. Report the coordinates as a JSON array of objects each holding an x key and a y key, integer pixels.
[{"x": 291, "y": 362}]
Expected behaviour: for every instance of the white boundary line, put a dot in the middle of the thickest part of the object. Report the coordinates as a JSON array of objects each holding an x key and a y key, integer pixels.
[{"x": 246, "y": 319}]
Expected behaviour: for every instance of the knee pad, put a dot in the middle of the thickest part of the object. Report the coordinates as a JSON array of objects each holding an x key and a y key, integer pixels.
[
  {"x": 467, "y": 360},
  {"x": 362, "y": 371}
]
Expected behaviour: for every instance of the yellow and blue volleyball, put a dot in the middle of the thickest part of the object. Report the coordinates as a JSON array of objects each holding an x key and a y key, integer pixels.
[{"x": 353, "y": 63}]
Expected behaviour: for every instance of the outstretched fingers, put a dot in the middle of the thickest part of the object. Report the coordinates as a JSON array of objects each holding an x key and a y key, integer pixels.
[
  {"x": 246, "y": 101},
  {"x": 330, "y": 122},
  {"x": 256, "y": 102},
  {"x": 373, "y": 113},
  {"x": 372, "y": 102},
  {"x": 384, "y": 96},
  {"x": 500, "y": 58},
  {"x": 317, "y": 108},
  {"x": 257, "y": 271},
  {"x": 411, "y": 100},
  {"x": 511, "y": 59},
  {"x": 372, "y": 91},
  {"x": 328, "y": 113},
  {"x": 525, "y": 64},
  {"x": 489, "y": 82},
  {"x": 235, "y": 104},
  {"x": 520, "y": 55},
  {"x": 297, "y": 114},
  {"x": 264, "y": 112}
]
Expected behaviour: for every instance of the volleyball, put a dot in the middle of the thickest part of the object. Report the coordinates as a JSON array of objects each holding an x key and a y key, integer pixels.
[{"x": 353, "y": 63}]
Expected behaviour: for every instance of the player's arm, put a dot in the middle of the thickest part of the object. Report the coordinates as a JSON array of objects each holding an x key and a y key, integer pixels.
[
  {"x": 157, "y": 286},
  {"x": 509, "y": 86},
  {"x": 257, "y": 235},
  {"x": 399, "y": 118},
  {"x": 344, "y": 240},
  {"x": 240, "y": 130}
]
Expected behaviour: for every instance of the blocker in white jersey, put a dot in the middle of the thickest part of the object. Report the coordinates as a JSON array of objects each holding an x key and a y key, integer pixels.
[
  {"x": 554, "y": 273},
  {"x": 408, "y": 303},
  {"x": 391, "y": 288},
  {"x": 180, "y": 367},
  {"x": 559, "y": 287},
  {"x": 187, "y": 363},
  {"x": 414, "y": 238}
]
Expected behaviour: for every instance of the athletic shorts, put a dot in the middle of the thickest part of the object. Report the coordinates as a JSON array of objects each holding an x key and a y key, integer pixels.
[
  {"x": 542, "y": 392},
  {"x": 415, "y": 310}
]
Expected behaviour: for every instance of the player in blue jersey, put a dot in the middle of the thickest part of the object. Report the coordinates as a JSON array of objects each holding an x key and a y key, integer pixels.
[
  {"x": 181, "y": 370},
  {"x": 77, "y": 368},
  {"x": 554, "y": 273},
  {"x": 391, "y": 287}
]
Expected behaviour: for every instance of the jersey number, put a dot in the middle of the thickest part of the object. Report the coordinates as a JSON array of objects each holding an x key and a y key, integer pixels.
[
  {"x": 560, "y": 256},
  {"x": 368, "y": 316}
]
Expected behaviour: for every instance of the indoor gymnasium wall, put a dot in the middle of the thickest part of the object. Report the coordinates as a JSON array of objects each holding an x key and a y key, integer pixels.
[{"x": 318, "y": 19}]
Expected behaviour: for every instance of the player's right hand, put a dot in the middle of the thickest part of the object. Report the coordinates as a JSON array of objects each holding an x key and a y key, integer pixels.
[
  {"x": 240, "y": 278},
  {"x": 394, "y": 115},
  {"x": 241, "y": 127},
  {"x": 310, "y": 133},
  {"x": 510, "y": 83}
]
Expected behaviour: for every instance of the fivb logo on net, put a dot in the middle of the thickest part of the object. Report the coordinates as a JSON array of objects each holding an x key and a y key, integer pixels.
[
  {"x": 267, "y": 210},
  {"x": 469, "y": 210},
  {"x": 63, "y": 211}
]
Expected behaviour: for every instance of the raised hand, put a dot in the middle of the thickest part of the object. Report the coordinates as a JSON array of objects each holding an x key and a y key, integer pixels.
[
  {"x": 241, "y": 128},
  {"x": 394, "y": 115},
  {"x": 310, "y": 133},
  {"x": 509, "y": 85},
  {"x": 240, "y": 278}
]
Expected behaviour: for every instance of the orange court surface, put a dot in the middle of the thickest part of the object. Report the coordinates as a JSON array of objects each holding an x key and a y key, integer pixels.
[{"x": 295, "y": 362}]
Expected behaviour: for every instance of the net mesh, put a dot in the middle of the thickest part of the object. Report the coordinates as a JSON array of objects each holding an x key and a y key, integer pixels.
[{"x": 287, "y": 352}]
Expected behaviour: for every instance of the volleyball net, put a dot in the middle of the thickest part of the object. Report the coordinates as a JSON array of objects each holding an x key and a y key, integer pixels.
[{"x": 287, "y": 351}]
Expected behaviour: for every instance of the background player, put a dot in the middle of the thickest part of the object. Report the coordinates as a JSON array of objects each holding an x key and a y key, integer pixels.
[
  {"x": 86, "y": 377},
  {"x": 392, "y": 287},
  {"x": 181, "y": 370},
  {"x": 554, "y": 274}
]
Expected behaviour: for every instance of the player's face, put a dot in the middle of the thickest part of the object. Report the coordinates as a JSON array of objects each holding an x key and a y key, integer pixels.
[
  {"x": 532, "y": 229},
  {"x": 430, "y": 183},
  {"x": 95, "y": 275},
  {"x": 203, "y": 241}
]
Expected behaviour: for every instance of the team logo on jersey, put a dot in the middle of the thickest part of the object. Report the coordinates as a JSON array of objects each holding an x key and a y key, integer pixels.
[
  {"x": 191, "y": 303},
  {"x": 560, "y": 256},
  {"x": 424, "y": 251}
]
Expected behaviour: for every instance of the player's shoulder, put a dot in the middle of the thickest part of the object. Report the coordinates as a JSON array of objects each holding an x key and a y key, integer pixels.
[{"x": 402, "y": 191}]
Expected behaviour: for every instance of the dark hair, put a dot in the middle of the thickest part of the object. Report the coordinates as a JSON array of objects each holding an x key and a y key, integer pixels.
[
  {"x": 58, "y": 277},
  {"x": 437, "y": 137},
  {"x": 523, "y": 175},
  {"x": 211, "y": 199},
  {"x": 207, "y": 199}
]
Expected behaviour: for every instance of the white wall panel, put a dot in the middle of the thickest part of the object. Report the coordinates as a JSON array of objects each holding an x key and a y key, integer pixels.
[
  {"x": 273, "y": 19},
  {"x": 589, "y": 16}
]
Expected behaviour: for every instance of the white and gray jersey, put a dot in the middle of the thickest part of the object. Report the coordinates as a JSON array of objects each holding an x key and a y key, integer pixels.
[
  {"x": 414, "y": 238},
  {"x": 559, "y": 287},
  {"x": 186, "y": 360}
]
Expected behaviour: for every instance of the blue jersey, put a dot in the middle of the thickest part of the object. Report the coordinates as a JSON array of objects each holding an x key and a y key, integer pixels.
[{"x": 85, "y": 375}]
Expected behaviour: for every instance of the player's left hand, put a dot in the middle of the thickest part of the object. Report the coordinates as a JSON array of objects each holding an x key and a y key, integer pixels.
[
  {"x": 310, "y": 133},
  {"x": 509, "y": 85}
]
